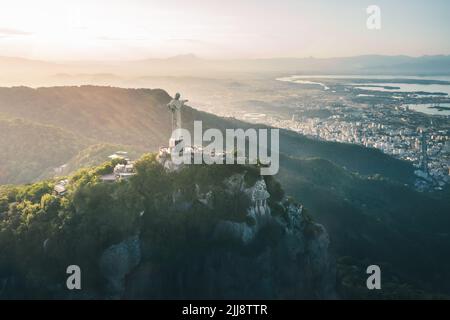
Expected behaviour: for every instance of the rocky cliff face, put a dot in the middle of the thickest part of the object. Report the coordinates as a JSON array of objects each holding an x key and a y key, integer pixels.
[
  {"x": 117, "y": 261},
  {"x": 278, "y": 253}
]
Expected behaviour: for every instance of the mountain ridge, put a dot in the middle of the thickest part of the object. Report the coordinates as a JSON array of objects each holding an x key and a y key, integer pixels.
[
  {"x": 195, "y": 66},
  {"x": 139, "y": 117}
]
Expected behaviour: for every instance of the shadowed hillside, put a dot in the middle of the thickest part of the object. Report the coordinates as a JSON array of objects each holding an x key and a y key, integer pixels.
[
  {"x": 375, "y": 219},
  {"x": 122, "y": 116},
  {"x": 29, "y": 149},
  {"x": 139, "y": 118}
]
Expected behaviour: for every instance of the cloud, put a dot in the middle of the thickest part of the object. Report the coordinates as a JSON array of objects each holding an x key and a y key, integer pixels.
[{"x": 8, "y": 32}]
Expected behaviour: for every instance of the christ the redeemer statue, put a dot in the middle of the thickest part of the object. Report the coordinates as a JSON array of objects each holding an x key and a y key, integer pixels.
[{"x": 175, "y": 107}]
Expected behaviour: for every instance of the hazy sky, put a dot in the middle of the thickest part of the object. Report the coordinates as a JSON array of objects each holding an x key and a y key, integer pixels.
[{"x": 135, "y": 29}]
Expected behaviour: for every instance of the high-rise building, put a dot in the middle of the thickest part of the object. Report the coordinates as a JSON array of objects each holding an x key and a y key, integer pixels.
[{"x": 424, "y": 151}]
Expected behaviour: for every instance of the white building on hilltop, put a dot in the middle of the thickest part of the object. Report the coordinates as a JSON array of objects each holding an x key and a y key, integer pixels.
[
  {"x": 119, "y": 155},
  {"x": 121, "y": 171},
  {"x": 60, "y": 188},
  {"x": 124, "y": 171}
]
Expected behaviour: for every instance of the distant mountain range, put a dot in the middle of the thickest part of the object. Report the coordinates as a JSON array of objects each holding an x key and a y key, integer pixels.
[{"x": 36, "y": 73}]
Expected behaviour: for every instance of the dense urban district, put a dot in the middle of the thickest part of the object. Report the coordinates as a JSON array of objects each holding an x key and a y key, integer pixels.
[{"x": 410, "y": 125}]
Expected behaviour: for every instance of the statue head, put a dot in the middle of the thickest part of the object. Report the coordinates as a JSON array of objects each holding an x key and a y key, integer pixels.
[{"x": 177, "y": 96}]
